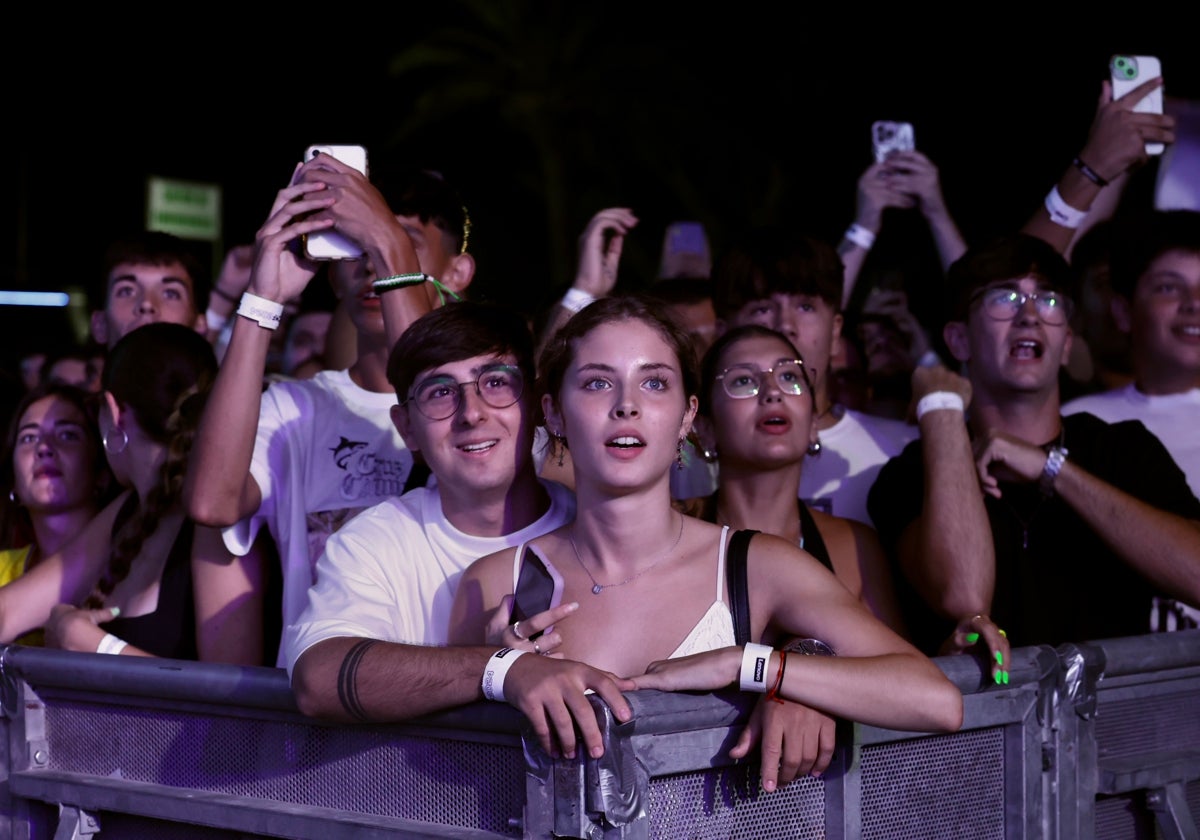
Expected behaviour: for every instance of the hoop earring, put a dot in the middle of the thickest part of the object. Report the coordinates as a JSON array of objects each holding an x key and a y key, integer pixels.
[{"x": 124, "y": 441}]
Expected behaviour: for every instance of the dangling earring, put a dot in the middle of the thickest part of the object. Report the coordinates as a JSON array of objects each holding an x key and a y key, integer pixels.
[
  {"x": 561, "y": 440},
  {"x": 679, "y": 455},
  {"x": 814, "y": 448},
  {"x": 124, "y": 441}
]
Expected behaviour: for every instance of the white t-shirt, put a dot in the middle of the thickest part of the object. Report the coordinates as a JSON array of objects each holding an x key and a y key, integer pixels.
[
  {"x": 391, "y": 574},
  {"x": 853, "y": 451},
  {"x": 1172, "y": 418},
  {"x": 325, "y": 450}
]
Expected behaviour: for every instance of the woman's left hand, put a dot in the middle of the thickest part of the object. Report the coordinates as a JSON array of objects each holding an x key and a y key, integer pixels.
[
  {"x": 72, "y": 628},
  {"x": 706, "y": 671}
]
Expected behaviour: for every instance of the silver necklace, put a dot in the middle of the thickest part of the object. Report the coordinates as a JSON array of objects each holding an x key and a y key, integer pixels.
[{"x": 598, "y": 587}]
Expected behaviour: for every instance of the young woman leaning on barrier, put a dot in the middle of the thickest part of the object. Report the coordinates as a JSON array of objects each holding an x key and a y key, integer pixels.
[
  {"x": 619, "y": 386},
  {"x": 141, "y": 578}
]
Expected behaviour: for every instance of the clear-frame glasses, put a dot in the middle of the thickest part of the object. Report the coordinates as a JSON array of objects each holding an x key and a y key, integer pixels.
[
  {"x": 745, "y": 381},
  {"x": 439, "y": 397},
  {"x": 1003, "y": 304}
]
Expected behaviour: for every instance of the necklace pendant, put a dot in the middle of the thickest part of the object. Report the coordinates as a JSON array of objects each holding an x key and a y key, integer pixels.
[{"x": 597, "y": 589}]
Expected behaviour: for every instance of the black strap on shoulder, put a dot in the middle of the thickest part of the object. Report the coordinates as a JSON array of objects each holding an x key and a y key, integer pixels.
[
  {"x": 735, "y": 580},
  {"x": 418, "y": 476}
]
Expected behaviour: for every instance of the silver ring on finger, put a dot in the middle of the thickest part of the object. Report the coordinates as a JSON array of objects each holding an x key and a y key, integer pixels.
[
  {"x": 537, "y": 649},
  {"x": 516, "y": 628}
]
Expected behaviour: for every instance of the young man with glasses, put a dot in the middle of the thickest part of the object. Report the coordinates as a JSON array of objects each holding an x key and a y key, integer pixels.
[
  {"x": 1059, "y": 528},
  {"x": 370, "y": 645}
]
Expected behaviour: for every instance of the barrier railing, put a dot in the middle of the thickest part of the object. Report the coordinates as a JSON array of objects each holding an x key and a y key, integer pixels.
[{"x": 1095, "y": 740}]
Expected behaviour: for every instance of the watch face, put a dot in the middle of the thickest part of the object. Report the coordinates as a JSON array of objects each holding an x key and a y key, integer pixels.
[{"x": 809, "y": 647}]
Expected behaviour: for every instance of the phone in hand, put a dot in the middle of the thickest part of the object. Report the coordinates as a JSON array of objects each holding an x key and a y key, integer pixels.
[
  {"x": 1130, "y": 71},
  {"x": 888, "y": 137},
  {"x": 539, "y": 587},
  {"x": 330, "y": 245}
]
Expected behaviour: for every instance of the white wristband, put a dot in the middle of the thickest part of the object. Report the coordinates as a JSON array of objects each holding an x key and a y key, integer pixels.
[
  {"x": 266, "y": 312},
  {"x": 1062, "y": 213},
  {"x": 939, "y": 401},
  {"x": 576, "y": 299},
  {"x": 860, "y": 236},
  {"x": 755, "y": 659},
  {"x": 216, "y": 321},
  {"x": 496, "y": 670},
  {"x": 111, "y": 644}
]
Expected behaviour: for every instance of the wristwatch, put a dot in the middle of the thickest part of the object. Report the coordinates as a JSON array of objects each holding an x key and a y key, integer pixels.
[
  {"x": 809, "y": 647},
  {"x": 1054, "y": 464}
]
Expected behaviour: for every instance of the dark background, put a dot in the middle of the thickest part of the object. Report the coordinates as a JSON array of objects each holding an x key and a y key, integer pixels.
[{"x": 544, "y": 113}]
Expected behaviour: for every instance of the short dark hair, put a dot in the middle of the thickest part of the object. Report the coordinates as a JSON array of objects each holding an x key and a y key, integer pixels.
[
  {"x": 776, "y": 260},
  {"x": 153, "y": 247},
  {"x": 427, "y": 195},
  {"x": 459, "y": 330},
  {"x": 1008, "y": 257},
  {"x": 560, "y": 351},
  {"x": 1142, "y": 240},
  {"x": 708, "y": 366}
]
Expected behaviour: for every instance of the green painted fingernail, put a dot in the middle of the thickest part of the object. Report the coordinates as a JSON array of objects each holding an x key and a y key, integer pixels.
[
  {"x": 972, "y": 638},
  {"x": 996, "y": 677},
  {"x": 1006, "y": 677},
  {"x": 999, "y": 658}
]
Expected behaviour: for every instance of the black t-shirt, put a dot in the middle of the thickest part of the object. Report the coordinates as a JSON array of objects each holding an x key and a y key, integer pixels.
[{"x": 1056, "y": 580}]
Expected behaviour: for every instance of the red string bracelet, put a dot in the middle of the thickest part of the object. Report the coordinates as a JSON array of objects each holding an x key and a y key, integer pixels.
[{"x": 773, "y": 694}]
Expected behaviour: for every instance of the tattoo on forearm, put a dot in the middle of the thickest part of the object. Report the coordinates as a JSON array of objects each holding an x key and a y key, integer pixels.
[{"x": 348, "y": 679}]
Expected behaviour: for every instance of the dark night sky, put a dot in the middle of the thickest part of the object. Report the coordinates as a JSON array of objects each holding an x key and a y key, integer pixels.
[{"x": 730, "y": 121}]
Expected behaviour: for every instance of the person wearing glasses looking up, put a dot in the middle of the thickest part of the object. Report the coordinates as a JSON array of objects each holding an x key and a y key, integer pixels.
[{"x": 1054, "y": 528}]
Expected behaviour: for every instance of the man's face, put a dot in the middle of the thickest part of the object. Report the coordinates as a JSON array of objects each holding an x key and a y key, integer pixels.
[
  {"x": 352, "y": 278},
  {"x": 479, "y": 449},
  {"x": 1164, "y": 315},
  {"x": 139, "y": 294},
  {"x": 811, "y": 324},
  {"x": 1019, "y": 352}
]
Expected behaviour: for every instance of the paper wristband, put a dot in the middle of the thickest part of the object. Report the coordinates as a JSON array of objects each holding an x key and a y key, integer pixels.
[
  {"x": 939, "y": 401},
  {"x": 1062, "y": 213},
  {"x": 755, "y": 659},
  {"x": 576, "y": 299},
  {"x": 111, "y": 644},
  {"x": 860, "y": 236},
  {"x": 266, "y": 312},
  {"x": 495, "y": 671}
]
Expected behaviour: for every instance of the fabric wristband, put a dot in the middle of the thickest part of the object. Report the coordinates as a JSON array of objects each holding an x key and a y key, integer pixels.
[
  {"x": 939, "y": 401},
  {"x": 755, "y": 659},
  {"x": 266, "y": 312},
  {"x": 496, "y": 670},
  {"x": 111, "y": 644},
  {"x": 1089, "y": 173},
  {"x": 575, "y": 299},
  {"x": 1062, "y": 213},
  {"x": 860, "y": 236}
]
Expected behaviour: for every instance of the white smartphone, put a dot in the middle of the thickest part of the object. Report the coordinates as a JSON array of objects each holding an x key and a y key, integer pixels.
[
  {"x": 1129, "y": 71},
  {"x": 328, "y": 245},
  {"x": 888, "y": 136}
]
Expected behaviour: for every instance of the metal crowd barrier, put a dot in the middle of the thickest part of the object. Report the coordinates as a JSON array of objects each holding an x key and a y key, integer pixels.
[{"x": 1092, "y": 740}]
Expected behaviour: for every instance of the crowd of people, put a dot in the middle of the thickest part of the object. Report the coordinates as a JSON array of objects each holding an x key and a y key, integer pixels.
[{"x": 726, "y": 477}]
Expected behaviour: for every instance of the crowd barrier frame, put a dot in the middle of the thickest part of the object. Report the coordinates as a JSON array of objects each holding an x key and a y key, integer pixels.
[{"x": 1091, "y": 740}]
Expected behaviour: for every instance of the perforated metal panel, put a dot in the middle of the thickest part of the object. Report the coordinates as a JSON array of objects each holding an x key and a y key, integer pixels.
[
  {"x": 1148, "y": 723},
  {"x": 442, "y": 782},
  {"x": 949, "y": 786},
  {"x": 728, "y": 803}
]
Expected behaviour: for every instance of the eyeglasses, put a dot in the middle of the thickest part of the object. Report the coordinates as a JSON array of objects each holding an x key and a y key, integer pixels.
[
  {"x": 1002, "y": 304},
  {"x": 745, "y": 381},
  {"x": 439, "y": 397}
]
